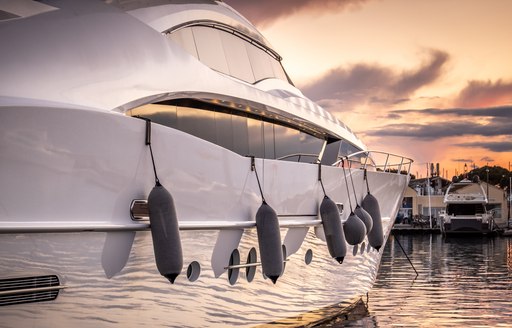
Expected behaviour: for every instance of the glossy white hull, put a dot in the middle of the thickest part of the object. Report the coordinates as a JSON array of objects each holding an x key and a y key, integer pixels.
[
  {"x": 139, "y": 296},
  {"x": 72, "y": 163},
  {"x": 67, "y": 179}
]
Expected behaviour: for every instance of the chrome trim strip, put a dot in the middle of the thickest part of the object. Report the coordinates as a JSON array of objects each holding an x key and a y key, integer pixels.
[
  {"x": 241, "y": 266},
  {"x": 247, "y": 265},
  {"x": 44, "y": 227}
]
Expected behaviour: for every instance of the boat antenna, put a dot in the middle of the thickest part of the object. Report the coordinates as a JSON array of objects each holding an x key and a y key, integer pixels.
[
  {"x": 346, "y": 184},
  {"x": 253, "y": 168}
]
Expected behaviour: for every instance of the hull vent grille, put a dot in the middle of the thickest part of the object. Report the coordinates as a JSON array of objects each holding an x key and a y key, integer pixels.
[{"x": 29, "y": 289}]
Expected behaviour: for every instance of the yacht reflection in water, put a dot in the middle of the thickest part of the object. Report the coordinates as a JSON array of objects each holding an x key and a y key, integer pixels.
[{"x": 462, "y": 282}]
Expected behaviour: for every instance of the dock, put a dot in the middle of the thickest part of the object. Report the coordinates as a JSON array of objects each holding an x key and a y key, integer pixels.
[
  {"x": 414, "y": 228},
  {"x": 507, "y": 233}
]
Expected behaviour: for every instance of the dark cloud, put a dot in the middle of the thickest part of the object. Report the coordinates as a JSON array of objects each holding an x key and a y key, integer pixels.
[
  {"x": 427, "y": 73},
  {"x": 485, "y": 93},
  {"x": 393, "y": 116},
  {"x": 357, "y": 84},
  {"x": 462, "y": 160},
  {"x": 496, "y": 146},
  {"x": 264, "y": 12},
  {"x": 487, "y": 159},
  {"x": 483, "y": 122},
  {"x": 500, "y": 111},
  {"x": 444, "y": 129},
  {"x": 374, "y": 84}
]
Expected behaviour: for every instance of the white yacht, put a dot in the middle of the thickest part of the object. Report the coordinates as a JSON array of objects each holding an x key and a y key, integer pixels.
[
  {"x": 158, "y": 167},
  {"x": 465, "y": 211}
]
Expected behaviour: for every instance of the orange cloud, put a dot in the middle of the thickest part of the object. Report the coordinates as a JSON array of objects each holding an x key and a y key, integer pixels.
[
  {"x": 485, "y": 93},
  {"x": 342, "y": 88}
]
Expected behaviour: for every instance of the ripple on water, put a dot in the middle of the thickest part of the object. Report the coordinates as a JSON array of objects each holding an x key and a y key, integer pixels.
[{"x": 462, "y": 282}]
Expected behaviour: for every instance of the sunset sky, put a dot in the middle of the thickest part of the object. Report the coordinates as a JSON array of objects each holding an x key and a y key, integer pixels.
[{"x": 431, "y": 80}]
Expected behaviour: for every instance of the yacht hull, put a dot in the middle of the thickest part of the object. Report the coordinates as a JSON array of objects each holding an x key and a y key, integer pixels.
[
  {"x": 469, "y": 226},
  {"x": 65, "y": 195}
]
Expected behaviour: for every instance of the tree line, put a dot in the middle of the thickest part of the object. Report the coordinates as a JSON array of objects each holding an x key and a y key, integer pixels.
[{"x": 498, "y": 176}]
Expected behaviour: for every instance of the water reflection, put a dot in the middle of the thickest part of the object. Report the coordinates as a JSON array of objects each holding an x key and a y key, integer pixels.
[{"x": 462, "y": 282}]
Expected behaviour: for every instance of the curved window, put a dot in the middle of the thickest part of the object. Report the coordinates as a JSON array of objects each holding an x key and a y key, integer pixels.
[
  {"x": 237, "y": 131},
  {"x": 331, "y": 153},
  {"x": 209, "y": 48},
  {"x": 347, "y": 148},
  {"x": 237, "y": 59},
  {"x": 229, "y": 53},
  {"x": 341, "y": 149}
]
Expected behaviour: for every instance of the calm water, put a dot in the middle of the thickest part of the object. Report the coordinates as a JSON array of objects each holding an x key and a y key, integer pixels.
[{"x": 462, "y": 282}]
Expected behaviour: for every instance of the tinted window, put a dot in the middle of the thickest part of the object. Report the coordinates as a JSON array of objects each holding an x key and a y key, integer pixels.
[
  {"x": 237, "y": 57},
  {"x": 260, "y": 63},
  {"x": 268, "y": 136},
  {"x": 209, "y": 48},
  {"x": 229, "y": 53},
  {"x": 245, "y": 135},
  {"x": 224, "y": 130},
  {"x": 255, "y": 129},
  {"x": 278, "y": 70},
  {"x": 200, "y": 123},
  {"x": 286, "y": 142},
  {"x": 347, "y": 149},
  {"x": 185, "y": 38},
  {"x": 310, "y": 144},
  {"x": 240, "y": 135},
  {"x": 331, "y": 153}
]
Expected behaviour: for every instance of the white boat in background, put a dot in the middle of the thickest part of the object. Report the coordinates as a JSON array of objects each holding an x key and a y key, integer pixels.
[
  {"x": 141, "y": 139},
  {"x": 465, "y": 211}
]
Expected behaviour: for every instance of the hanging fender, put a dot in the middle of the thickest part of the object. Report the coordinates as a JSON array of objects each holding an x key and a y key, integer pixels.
[
  {"x": 376, "y": 236},
  {"x": 269, "y": 241},
  {"x": 165, "y": 233},
  {"x": 165, "y": 230},
  {"x": 354, "y": 229},
  {"x": 365, "y": 217},
  {"x": 333, "y": 229}
]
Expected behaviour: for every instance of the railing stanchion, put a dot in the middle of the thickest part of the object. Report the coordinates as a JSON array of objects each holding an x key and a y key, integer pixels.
[
  {"x": 400, "y": 166},
  {"x": 366, "y": 160},
  {"x": 386, "y": 164}
]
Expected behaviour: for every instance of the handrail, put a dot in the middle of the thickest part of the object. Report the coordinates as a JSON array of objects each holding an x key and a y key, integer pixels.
[
  {"x": 370, "y": 161},
  {"x": 299, "y": 155}
]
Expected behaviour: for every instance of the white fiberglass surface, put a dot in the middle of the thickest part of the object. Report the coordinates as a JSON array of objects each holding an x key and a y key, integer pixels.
[
  {"x": 92, "y": 166},
  {"x": 76, "y": 166},
  {"x": 138, "y": 295}
]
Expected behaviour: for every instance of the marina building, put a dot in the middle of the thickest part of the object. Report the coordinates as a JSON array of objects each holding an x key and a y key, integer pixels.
[{"x": 423, "y": 199}]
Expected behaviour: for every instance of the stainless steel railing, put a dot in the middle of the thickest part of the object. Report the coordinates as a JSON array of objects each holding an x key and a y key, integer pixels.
[{"x": 378, "y": 161}]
